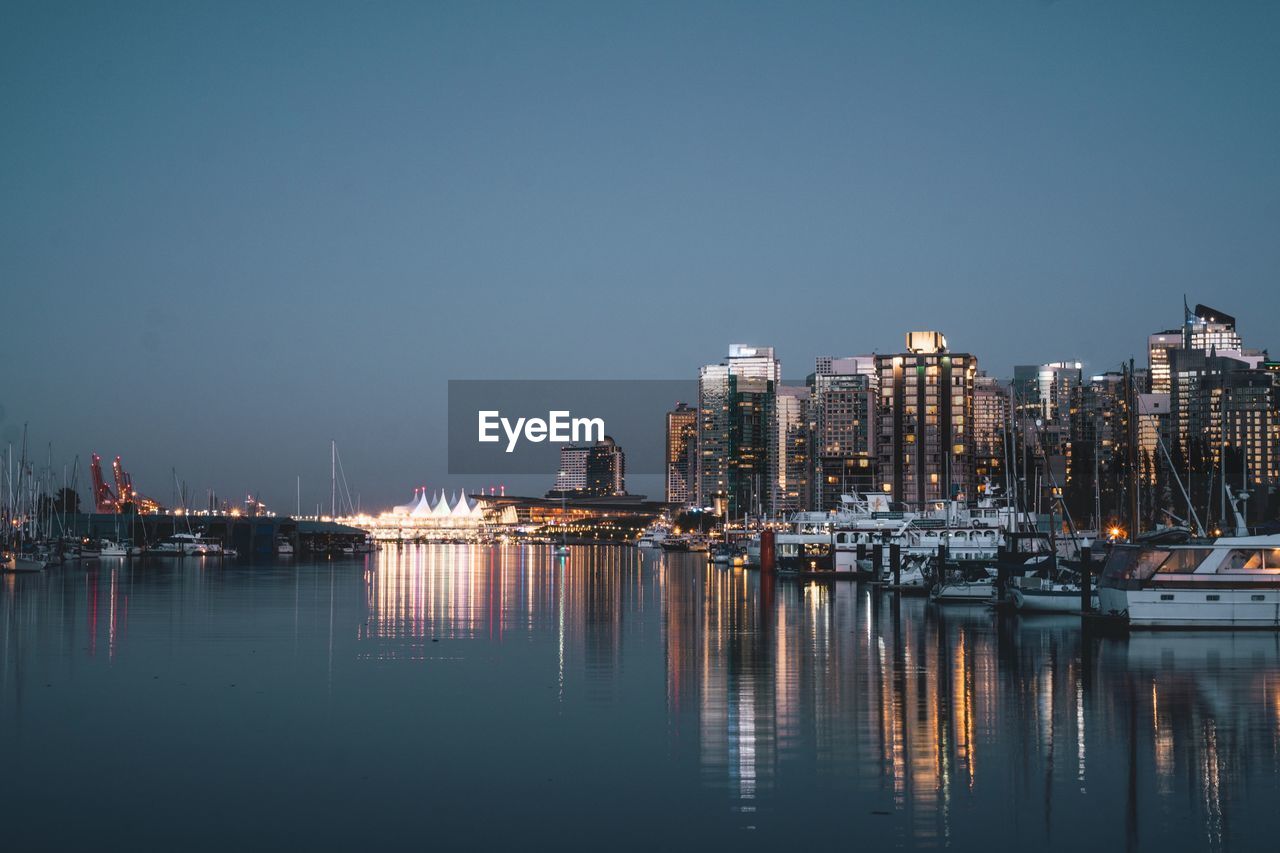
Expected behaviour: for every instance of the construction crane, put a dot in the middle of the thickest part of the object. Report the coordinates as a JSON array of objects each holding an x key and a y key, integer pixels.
[{"x": 124, "y": 495}]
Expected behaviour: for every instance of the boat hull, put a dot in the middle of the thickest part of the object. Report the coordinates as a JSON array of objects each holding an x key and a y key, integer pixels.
[
  {"x": 1048, "y": 601},
  {"x": 964, "y": 593},
  {"x": 1212, "y": 608},
  {"x": 24, "y": 564}
]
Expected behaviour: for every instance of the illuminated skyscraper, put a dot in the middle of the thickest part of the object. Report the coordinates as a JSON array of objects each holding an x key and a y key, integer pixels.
[
  {"x": 990, "y": 423},
  {"x": 606, "y": 468},
  {"x": 844, "y": 422},
  {"x": 737, "y": 431},
  {"x": 1209, "y": 329},
  {"x": 794, "y": 406},
  {"x": 924, "y": 435},
  {"x": 682, "y": 459},
  {"x": 1158, "y": 346},
  {"x": 592, "y": 469},
  {"x": 573, "y": 468}
]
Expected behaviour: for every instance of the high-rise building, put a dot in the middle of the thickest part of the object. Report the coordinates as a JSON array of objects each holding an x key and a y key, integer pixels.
[
  {"x": 592, "y": 469},
  {"x": 1044, "y": 390},
  {"x": 749, "y": 362},
  {"x": 1195, "y": 376},
  {"x": 1055, "y": 384},
  {"x": 1222, "y": 403},
  {"x": 606, "y": 468},
  {"x": 1092, "y": 449},
  {"x": 844, "y": 428},
  {"x": 793, "y": 405},
  {"x": 682, "y": 459},
  {"x": 924, "y": 439},
  {"x": 573, "y": 468},
  {"x": 1158, "y": 346},
  {"x": 1209, "y": 329},
  {"x": 737, "y": 431},
  {"x": 990, "y": 425},
  {"x": 1153, "y": 429}
]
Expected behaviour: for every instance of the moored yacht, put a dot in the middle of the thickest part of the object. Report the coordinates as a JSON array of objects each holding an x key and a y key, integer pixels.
[
  {"x": 1044, "y": 595},
  {"x": 1228, "y": 582},
  {"x": 184, "y": 544},
  {"x": 960, "y": 587},
  {"x": 23, "y": 563},
  {"x": 652, "y": 538},
  {"x": 843, "y": 541}
]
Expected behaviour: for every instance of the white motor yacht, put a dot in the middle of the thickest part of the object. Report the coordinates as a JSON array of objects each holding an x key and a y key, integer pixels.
[
  {"x": 186, "y": 544},
  {"x": 1228, "y": 582}
]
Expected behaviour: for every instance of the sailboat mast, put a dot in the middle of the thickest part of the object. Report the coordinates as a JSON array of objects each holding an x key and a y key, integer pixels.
[
  {"x": 333, "y": 479},
  {"x": 1222, "y": 456}
]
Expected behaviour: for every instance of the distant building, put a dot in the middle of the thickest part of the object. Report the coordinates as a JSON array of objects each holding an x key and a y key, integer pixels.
[
  {"x": 737, "y": 431},
  {"x": 844, "y": 428},
  {"x": 606, "y": 469},
  {"x": 1044, "y": 390},
  {"x": 793, "y": 404},
  {"x": 1153, "y": 428},
  {"x": 990, "y": 425},
  {"x": 682, "y": 458},
  {"x": 1209, "y": 329},
  {"x": 573, "y": 468},
  {"x": 1158, "y": 346},
  {"x": 924, "y": 439},
  {"x": 594, "y": 469},
  {"x": 1225, "y": 403}
]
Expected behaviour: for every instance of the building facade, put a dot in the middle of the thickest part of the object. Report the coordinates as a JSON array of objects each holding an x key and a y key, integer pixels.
[
  {"x": 794, "y": 424},
  {"x": 682, "y": 458},
  {"x": 573, "y": 468},
  {"x": 924, "y": 438},
  {"x": 844, "y": 440},
  {"x": 737, "y": 431},
  {"x": 990, "y": 426}
]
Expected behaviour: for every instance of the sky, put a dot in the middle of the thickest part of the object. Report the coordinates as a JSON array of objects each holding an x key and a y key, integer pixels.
[{"x": 232, "y": 232}]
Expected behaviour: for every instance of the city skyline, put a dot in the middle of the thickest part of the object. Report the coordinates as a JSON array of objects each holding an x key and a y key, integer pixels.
[
  {"x": 220, "y": 260},
  {"x": 196, "y": 495}
]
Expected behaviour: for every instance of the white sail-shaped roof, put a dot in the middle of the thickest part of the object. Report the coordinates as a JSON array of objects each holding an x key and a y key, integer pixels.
[
  {"x": 441, "y": 509},
  {"x": 423, "y": 508},
  {"x": 461, "y": 509},
  {"x": 405, "y": 509}
]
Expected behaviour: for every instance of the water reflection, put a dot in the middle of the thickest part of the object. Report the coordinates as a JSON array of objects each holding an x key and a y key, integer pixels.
[{"x": 774, "y": 705}]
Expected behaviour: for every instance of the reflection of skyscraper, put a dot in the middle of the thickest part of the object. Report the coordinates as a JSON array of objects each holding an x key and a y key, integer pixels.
[{"x": 682, "y": 460}]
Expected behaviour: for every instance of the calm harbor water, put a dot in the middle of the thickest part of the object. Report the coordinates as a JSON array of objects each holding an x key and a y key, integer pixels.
[{"x": 451, "y": 696}]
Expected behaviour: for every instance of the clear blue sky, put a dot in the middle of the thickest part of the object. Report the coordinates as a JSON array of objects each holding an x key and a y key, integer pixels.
[{"x": 231, "y": 231}]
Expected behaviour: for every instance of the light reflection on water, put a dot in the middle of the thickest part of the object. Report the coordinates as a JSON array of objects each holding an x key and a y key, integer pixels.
[{"x": 612, "y": 697}]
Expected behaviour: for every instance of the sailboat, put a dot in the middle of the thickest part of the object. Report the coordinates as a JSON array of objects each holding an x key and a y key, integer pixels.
[{"x": 19, "y": 512}]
